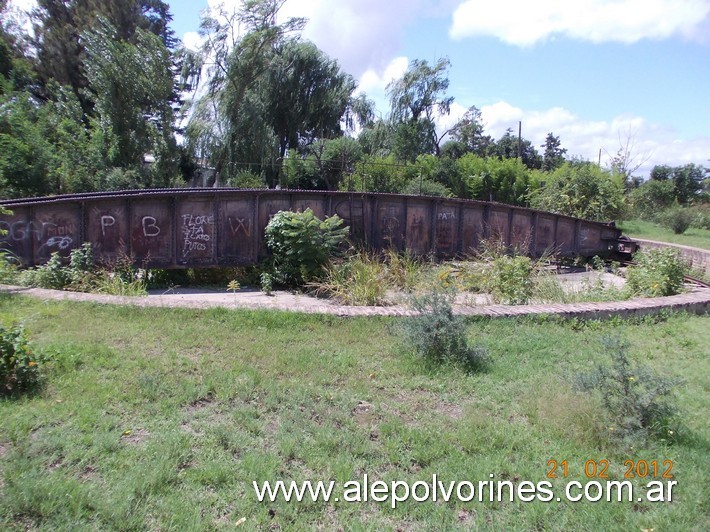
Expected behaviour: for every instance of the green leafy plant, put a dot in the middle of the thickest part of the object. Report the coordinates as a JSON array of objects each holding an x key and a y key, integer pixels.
[
  {"x": 266, "y": 281},
  {"x": 20, "y": 364},
  {"x": 510, "y": 279},
  {"x": 302, "y": 244},
  {"x": 437, "y": 335},
  {"x": 678, "y": 219},
  {"x": 8, "y": 267},
  {"x": 656, "y": 272},
  {"x": 53, "y": 274},
  {"x": 636, "y": 399}
]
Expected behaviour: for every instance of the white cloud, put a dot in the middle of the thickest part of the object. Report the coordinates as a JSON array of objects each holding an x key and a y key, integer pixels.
[
  {"x": 524, "y": 22},
  {"x": 193, "y": 40},
  {"x": 374, "y": 83},
  {"x": 653, "y": 143},
  {"x": 361, "y": 34}
]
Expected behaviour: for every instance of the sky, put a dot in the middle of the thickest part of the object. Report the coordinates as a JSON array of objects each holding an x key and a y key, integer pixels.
[{"x": 597, "y": 73}]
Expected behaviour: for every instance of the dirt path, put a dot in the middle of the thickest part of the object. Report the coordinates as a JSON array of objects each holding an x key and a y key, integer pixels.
[{"x": 697, "y": 301}]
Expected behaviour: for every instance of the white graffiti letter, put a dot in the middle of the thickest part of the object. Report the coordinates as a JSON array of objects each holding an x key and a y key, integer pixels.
[
  {"x": 108, "y": 221},
  {"x": 150, "y": 226}
]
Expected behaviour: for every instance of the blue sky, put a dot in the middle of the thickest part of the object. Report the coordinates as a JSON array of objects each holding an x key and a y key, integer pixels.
[{"x": 594, "y": 72}]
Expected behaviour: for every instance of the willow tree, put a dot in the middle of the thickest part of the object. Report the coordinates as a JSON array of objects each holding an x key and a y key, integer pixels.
[
  {"x": 269, "y": 94},
  {"x": 227, "y": 127},
  {"x": 416, "y": 99}
]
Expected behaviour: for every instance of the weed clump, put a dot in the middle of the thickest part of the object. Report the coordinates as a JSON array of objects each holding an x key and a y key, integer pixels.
[
  {"x": 657, "y": 272},
  {"x": 20, "y": 364},
  {"x": 636, "y": 399},
  {"x": 118, "y": 278},
  {"x": 364, "y": 278},
  {"x": 437, "y": 335}
]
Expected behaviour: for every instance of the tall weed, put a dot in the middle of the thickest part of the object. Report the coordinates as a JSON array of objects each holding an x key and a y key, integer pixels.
[
  {"x": 438, "y": 336},
  {"x": 637, "y": 400}
]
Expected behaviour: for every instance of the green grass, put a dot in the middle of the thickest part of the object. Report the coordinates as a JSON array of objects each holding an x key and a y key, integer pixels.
[
  {"x": 160, "y": 419},
  {"x": 698, "y": 238}
]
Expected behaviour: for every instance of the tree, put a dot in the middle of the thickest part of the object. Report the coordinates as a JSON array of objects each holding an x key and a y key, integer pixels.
[
  {"x": 360, "y": 112},
  {"x": 686, "y": 181},
  {"x": 627, "y": 159},
  {"x": 583, "y": 190},
  {"x": 131, "y": 86},
  {"x": 507, "y": 148},
  {"x": 228, "y": 126},
  {"x": 305, "y": 95},
  {"x": 59, "y": 25},
  {"x": 416, "y": 99},
  {"x": 468, "y": 132},
  {"x": 25, "y": 154},
  {"x": 554, "y": 156}
]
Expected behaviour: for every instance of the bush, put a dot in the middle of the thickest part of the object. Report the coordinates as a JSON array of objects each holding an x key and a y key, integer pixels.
[
  {"x": 701, "y": 216},
  {"x": 426, "y": 187},
  {"x": 8, "y": 267},
  {"x": 581, "y": 190},
  {"x": 651, "y": 197},
  {"x": 267, "y": 283},
  {"x": 677, "y": 219},
  {"x": 118, "y": 278},
  {"x": 510, "y": 279},
  {"x": 656, "y": 272},
  {"x": 246, "y": 179},
  {"x": 55, "y": 275},
  {"x": 635, "y": 398},
  {"x": 437, "y": 335},
  {"x": 20, "y": 364},
  {"x": 302, "y": 244}
]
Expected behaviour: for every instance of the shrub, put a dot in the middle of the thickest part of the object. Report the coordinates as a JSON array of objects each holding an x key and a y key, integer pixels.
[
  {"x": 437, "y": 335},
  {"x": 266, "y": 281},
  {"x": 583, "y": 190},
  {"x": 677, "y": 219},
  {"x": 119, "y": 278},
  {"x": 651, "y": 197},
  {"x": 701, "y": 216},
  {"x": 20, "y": 364},
  {"x": 426, "y": 187},
  {"x": 634, "y": 397},
  {"x": 246, "y": 179},
  {"x": 55, "y": 275},
  {"x": 302, "y": 244},
  {"x": 657, "y": 272},
  {"x": 8, "y": 267},
  {"x": 510, "y": 279}
]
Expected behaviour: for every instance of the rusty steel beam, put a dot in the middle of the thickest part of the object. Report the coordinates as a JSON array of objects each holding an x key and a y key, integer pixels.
[{"x": 178, "y": 228}]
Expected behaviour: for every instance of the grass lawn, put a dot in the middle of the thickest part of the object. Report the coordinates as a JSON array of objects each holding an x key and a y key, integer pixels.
[
  {"x": 161, "y": 419},
  {"x": 698, "y": 238}
]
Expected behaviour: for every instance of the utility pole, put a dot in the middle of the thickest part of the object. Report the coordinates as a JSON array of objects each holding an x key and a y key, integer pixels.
[{"x": 520, "y": 140}]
